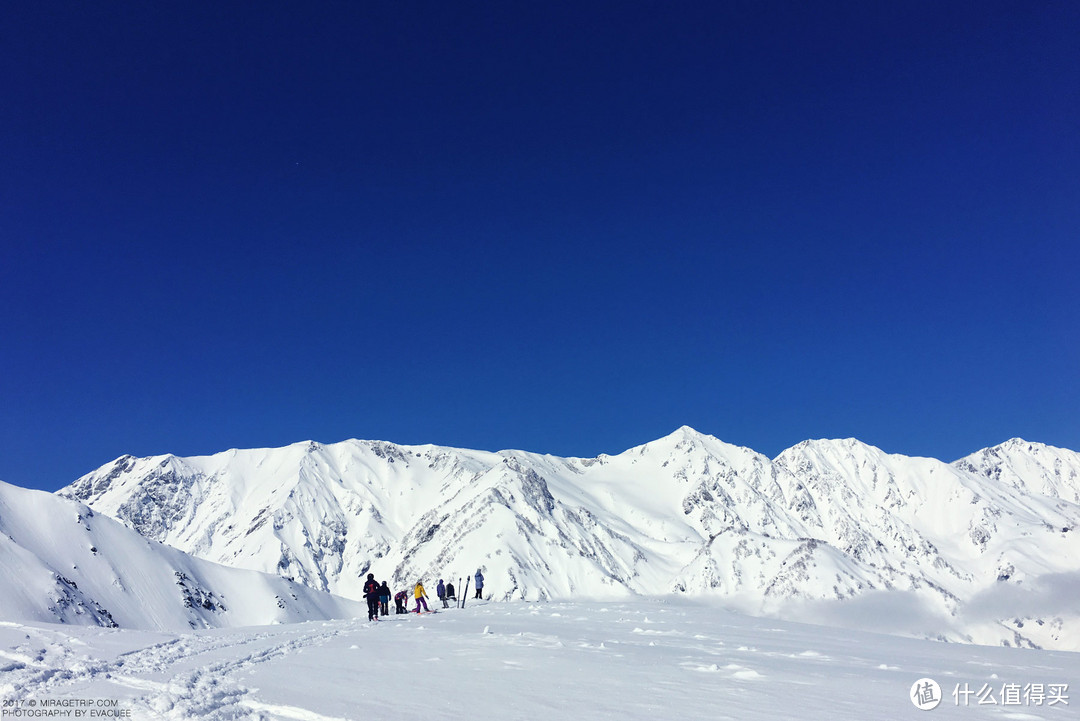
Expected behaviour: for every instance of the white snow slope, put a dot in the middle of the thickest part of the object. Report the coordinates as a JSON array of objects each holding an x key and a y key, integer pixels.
[
  {"x": 61, "y": 562},
  {"x": 637, "y": 659},
  {"x": 984, "y": 550}
]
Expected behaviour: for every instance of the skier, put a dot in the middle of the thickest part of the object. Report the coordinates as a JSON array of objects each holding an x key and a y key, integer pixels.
[
  {"x": 371, "y": 593},
  {"x": 479, "y": 585},
  {"x": 401, "y": 600},
  {"x": 450, "y": 593},
  {"x": 420, "y": 594},
  {"x": 440, "y": 591},
  {"x": 384, "y": 599}
]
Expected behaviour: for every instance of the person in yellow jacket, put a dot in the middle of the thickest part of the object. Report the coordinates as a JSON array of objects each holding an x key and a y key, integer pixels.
[{"x": 419, "y": 594}]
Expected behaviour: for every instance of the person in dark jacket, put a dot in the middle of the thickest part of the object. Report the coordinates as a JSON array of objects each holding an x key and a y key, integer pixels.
[
  {"x": 401, "y": 600},
  {"x": 479, "y": 584},
  {"x": 451, "y": 594},
  {"x": 440, "y": 590},
  {"x": 371, "y": 593},
  {"x": 384, "y": 599}
]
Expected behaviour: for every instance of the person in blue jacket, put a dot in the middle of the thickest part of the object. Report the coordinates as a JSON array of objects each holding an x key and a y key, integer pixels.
[
  {"x": 479, "y": 577},
  {"x": 384, "y": 598}
]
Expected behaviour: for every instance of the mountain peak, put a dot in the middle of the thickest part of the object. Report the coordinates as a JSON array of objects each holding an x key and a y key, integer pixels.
[
  {"x": 685, "y": 438},
  {"x": 685, "y": 431}
]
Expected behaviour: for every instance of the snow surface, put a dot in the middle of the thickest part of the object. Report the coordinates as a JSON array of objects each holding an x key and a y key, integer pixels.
[{"x": 637, "y": 659}]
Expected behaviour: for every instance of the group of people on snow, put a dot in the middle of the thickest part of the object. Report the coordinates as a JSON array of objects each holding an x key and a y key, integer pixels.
[{"x": 377, "y": 595}]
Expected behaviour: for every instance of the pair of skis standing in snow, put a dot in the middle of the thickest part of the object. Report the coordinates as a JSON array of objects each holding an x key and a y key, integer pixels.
[
  {"x": 479, "y": 577},
  {"x": 447, "y": 593}
]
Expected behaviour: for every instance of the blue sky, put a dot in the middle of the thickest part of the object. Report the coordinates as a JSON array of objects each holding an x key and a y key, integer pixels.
[{"x": 567, "y": 228}]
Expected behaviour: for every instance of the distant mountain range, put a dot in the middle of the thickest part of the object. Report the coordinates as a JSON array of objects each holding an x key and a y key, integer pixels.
[{"x": 824, "y": 521}]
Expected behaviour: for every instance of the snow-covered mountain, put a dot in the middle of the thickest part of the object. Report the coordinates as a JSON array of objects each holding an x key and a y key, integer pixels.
[
  {"x": 825, "y": 520},
  {"x": 63, "y": 563},
  {"x": 1029, "y": 466}
]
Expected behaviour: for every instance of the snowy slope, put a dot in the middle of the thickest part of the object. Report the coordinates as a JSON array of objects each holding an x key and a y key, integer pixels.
[
  {"x": 824, "y": 521},
  {"x": 1035, "y": 467},
  {"x": 61, "y": 562},
  {"x": 636, "y": 659},
  {"x": 959, "y": 534}
]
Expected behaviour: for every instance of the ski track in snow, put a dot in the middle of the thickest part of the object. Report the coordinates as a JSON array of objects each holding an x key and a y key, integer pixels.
[
  {"x": 518, "y": 661},
  {"x": 167, "y": 679}
]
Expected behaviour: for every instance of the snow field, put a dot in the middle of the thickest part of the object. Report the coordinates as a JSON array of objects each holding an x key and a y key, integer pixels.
[{"x": 627, "y": 660}]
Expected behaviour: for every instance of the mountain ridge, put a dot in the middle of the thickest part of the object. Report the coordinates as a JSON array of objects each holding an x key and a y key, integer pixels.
[{"x": 686, "y": 513}]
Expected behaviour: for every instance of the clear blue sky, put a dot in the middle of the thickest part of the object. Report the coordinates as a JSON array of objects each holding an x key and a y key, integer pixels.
[{"x": 567, "y": 228}]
